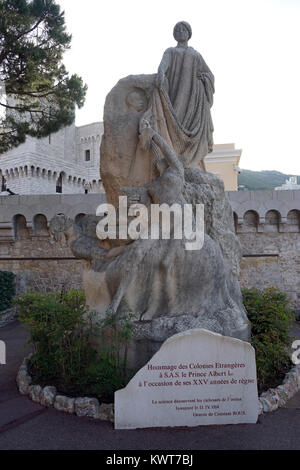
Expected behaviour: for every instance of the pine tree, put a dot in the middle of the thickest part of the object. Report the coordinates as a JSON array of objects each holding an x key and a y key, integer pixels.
[{"x": 42, "y": 95}]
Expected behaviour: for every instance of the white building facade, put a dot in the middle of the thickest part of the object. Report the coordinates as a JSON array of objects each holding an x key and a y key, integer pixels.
[
  {"x": 66, "y": 162},
  {"x": 290, "y": 184}
]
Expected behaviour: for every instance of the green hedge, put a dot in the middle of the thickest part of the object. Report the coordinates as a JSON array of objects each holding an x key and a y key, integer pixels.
[
  {"x": 7, "y": 289},
  {"x": 271, "y": 320}
]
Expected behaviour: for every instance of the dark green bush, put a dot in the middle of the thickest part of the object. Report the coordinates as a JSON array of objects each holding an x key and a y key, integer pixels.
[
  {"x": 7, "y": 289},
  {"x": 64, "y": 336},
  {"x": 271, "y": 320}
]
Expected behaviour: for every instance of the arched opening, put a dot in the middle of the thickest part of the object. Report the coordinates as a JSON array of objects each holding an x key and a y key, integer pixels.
[
  {"x": 40, "y": 225},
  {"x": 293, "y": 220},
  {"x": 273, "y": 219},
  {"x": 235, "y": 220},
  {"x": 3, "y": 184},
  {"x": 59, "y": 184},
  {"x": 251, "y": 219},
  {"x": 78, "y": 218},
  {"x": 20, "y": 227}
]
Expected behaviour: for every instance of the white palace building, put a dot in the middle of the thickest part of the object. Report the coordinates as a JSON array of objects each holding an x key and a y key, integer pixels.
[{"x": 66, "y": 162}]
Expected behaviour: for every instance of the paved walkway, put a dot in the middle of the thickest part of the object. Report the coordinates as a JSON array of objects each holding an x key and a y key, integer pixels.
[{"x": 25, "y": 425}]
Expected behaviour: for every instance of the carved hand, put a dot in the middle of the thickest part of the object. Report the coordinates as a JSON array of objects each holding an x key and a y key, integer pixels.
[
  {"x": 146, "y": 135},
  {"x": 201, "y": 75}
]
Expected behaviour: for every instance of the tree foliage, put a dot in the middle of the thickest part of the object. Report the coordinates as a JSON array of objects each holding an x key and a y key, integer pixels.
[
  {"x": 7, "y": 289},
  {"x": 42, "y": 95},
  {"x": 271, "y": 320}
]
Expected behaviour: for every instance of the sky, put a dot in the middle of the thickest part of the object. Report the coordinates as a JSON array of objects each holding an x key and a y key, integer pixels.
[{"x": 251, "y": 46}]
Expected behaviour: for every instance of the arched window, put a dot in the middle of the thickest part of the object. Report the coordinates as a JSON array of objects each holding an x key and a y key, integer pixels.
[{"x": 59, "y": 184}]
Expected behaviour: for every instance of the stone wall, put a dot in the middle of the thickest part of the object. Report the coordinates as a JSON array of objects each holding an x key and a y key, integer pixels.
[
  {"x": 267, "y": 224},
  {"x": 28, "y": 250}
]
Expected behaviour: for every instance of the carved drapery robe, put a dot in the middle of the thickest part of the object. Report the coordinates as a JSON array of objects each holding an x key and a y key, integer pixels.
[{"x": 181, "y": 105}]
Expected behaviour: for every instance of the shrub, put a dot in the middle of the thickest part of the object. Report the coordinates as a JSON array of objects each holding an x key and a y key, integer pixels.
[
  {"x": 271, "y": 320},
  {"x": 110, "y": 371},
  {"x": 7, "y": 289},
  {"x": 63, "y": 334}
]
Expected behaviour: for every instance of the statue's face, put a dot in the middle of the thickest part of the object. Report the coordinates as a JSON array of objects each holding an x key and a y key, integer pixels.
[
  {"x": 181, "y": 33},
  {"x": 137, "y": 100}
]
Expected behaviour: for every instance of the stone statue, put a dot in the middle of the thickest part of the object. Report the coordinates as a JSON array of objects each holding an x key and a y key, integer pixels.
[
  {"x": 168, "y": 288},
  {"x": 157, "y": 130},
  {"x": 182, "y": 100},
  {"x": 176, "y": 101}
]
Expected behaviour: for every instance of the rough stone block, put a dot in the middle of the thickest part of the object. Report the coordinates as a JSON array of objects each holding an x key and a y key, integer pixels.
[
  {"x": 34, "y": 393},
  {"x": 23, "y": 381},
  {"x": 106, "y": 412},
  {"x": 48, "y": 395},
  {"x": 65, "y": 404},
  {"x": 87, "y": 407}
]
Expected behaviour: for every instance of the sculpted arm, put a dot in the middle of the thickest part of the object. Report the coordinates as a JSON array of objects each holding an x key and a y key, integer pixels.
[
  {"x": 203, "y": 68},
  {"x": 163, "y": 67},
  {"x": 170, "y": 156},
  {"x": 149, "y": 137},
  {"x": 208, "y": 79}
]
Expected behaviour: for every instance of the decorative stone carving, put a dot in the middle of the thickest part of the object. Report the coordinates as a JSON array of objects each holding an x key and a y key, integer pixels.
[
  {"x": 183, "y": 98},
  {"x": 168, "y": 288},
  {"x": 123, "y": 160},
  {"x": 177, "y": 104},
  {"x": 157, "y": 128}
]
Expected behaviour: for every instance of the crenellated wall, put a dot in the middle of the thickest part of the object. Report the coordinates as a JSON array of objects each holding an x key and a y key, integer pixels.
[{"x": 267, "y": 224}]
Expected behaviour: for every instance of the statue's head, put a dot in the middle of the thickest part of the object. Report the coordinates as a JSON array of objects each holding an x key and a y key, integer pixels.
[{"x": 182, "y": 31}]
